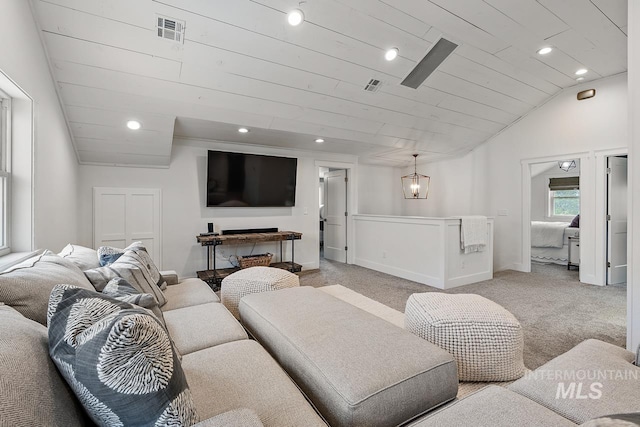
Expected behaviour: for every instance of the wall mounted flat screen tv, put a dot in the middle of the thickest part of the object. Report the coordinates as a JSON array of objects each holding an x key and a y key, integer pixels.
[{"x": 237, "y": 180}]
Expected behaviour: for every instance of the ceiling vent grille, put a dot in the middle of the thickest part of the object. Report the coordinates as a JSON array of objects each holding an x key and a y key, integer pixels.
[
  {"x": 432, "y": 60},
  {"x": 373, "y": 85},
  {"x": 171, "y": 29}
]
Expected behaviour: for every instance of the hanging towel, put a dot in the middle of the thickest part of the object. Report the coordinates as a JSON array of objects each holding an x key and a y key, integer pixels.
[{"x": 473, "y": 234}]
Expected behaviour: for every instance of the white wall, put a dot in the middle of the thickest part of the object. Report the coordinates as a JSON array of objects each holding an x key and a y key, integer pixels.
[
  {"x": 184, "y": 214},
  {"x": 379, "y": 190},
  {"x": 22, "y": 58},
  {"x": 633, "y": 282},
  {"x": 453, "y": 189},
  {"x": 489, "y": 179}
]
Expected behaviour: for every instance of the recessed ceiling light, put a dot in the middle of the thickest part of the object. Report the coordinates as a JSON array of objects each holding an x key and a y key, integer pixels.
[
  {"x": 295, "y": 17},
  {"x": 134, "y": 124},
  {"x": 545, "y": 50},
  {"x": 580, "y": 79},
  {"x": 319, "y": 140},
  {"x": 243, "y": 130},
  {"x": 581, "y": 71},
  {"x": 391, "y": 54}
]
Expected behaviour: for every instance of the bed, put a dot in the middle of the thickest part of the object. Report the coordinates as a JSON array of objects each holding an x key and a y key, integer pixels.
[{"x": 550, "y": 241}]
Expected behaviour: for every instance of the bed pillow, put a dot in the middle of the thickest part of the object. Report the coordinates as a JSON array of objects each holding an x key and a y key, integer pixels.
[
  {"x": 84, "y": 258},
  {"x": 137, "y": 268},
  {"x": 118, "y": 360},
  {"x": 576, "y": 222},
  {"x": 27, "y": 285}
]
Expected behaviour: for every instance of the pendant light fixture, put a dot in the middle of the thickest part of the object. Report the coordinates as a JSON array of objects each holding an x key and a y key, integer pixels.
[
  {"x": 415, "y": 185},
  {"x": 567, "y": 165}
]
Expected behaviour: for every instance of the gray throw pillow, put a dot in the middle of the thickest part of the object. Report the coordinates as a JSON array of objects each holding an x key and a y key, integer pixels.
[
  {"x": 638, "y": 356},
  {"x": 84, "y": 258},
  {"x": 107, "y": 255},
  {"x": 121, "y": 290},
  {"x": 617, "y": 420},
  {"x": 26, "y": 286},
  {"x": 118, "y": 360},
  {"x": 137, "y": 268}
]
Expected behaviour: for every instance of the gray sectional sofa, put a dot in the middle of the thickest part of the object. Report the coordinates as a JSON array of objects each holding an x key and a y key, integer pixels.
[{"x": 354, "y": 368}]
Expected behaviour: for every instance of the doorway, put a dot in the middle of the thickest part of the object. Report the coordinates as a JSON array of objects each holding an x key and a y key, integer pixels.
[
  {"x": 555, "y": 218},
  {"x": 334, "y": 189},
  {"x": 616, "y": 220}
]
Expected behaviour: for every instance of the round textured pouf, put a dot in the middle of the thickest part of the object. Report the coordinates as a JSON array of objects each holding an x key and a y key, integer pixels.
[
  {"x": 485, "y": 339},
  {"x": 252, "y": 281}
]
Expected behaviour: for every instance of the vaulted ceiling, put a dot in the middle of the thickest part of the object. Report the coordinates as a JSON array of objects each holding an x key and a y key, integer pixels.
[{"x": 241, "y": 64}]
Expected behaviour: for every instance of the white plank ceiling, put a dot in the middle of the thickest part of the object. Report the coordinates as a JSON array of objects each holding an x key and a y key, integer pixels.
[{"x": 241, "y": 64}]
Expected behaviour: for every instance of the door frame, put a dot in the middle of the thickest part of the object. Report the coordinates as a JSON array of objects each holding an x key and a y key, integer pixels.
[
  {"x": 352, "y": 201},
  {"x": 601, "y": 211}
]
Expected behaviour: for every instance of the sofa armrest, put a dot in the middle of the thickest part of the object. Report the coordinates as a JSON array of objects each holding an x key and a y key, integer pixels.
[
  {"x": 236, "y": 418},
  {"x": 170, "y": 276}
]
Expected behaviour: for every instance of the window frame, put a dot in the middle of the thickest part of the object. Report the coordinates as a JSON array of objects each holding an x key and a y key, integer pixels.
[
  {"x": 551, "y": 207},
  {"x": 5, "y": 171}
]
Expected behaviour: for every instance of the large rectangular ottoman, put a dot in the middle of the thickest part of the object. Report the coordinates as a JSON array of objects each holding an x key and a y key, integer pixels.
[{"x": 357, "y": 369}]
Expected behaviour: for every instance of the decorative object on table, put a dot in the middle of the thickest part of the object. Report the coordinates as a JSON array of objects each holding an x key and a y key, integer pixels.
[
  {"x": 415, "y": 185},
  {"x": 258, "y": 260},
  {"x": 567, "y": 165}
]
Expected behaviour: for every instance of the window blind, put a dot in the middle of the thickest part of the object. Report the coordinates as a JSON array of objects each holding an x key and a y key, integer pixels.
[{"x": 564, "y": 183}]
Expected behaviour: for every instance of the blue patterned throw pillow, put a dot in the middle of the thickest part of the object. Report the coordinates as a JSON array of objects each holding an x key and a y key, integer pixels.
[
  {"x": 107, "y": 255},
  {"x": 118, "y": 360}
]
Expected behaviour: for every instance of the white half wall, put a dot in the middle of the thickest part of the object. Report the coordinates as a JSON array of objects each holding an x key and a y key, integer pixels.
[
  {"x": 184, "y": 214},
  {"x": 55, "y": 165}
]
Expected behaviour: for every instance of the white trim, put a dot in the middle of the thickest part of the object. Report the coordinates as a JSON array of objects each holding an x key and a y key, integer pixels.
[{"x": 352, "y": 201}]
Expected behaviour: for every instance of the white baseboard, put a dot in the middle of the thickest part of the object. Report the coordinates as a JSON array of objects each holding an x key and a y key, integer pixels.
[{"x": 399, "y": 272}]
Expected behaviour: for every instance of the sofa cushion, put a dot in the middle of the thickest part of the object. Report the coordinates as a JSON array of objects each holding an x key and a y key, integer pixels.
[
  {"x": 137, "y": 268},
  {"x": 32, "y": 392},
  {"x": 616, "y": 420},
  {"x": 202, "y": 326},
  {"x": 237, "y": 418},
  {"x": 188, "y": 293},
  {"x": 26, "y": 286},
  {"x": 118, "y": 359},
  {"x": 354, "y": 366},
  {"x": 241, "y": 374},
  {"x": 85, "y": 258},
  {"x": 493, "y": 406},
  {"x": 591, "y": 380}
]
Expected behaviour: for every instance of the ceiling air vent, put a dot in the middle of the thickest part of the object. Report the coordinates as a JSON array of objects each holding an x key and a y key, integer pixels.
[
  {"x": 373, "y": 85},
  {"x": 432, "y": 60},
  {"x": 172, "y": 29}
]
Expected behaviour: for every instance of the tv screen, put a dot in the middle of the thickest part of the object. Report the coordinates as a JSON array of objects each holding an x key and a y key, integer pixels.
[{"x": 235, "y": 179}]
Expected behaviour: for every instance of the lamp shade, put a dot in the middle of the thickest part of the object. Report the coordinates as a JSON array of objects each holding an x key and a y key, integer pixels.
[{"x": 415, "y": 186}]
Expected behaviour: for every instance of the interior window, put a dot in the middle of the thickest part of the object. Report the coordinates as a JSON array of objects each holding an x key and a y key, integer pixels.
[{"x": 564, "y": 202}]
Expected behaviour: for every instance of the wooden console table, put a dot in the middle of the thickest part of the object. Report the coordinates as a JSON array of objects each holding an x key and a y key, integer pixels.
[{"x": 213, "y": 276}]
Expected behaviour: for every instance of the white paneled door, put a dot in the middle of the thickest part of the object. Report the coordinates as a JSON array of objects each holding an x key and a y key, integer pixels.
[
  {"x": 335, "y": 225},
  {"x": 617, "y": 220},
  {"x": 122, "y": 216}
]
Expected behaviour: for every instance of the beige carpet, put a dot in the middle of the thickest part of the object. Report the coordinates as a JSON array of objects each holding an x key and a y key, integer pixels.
[
  {"x": 397, "y": 318},
  {"x": 556, "y": 311}
]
